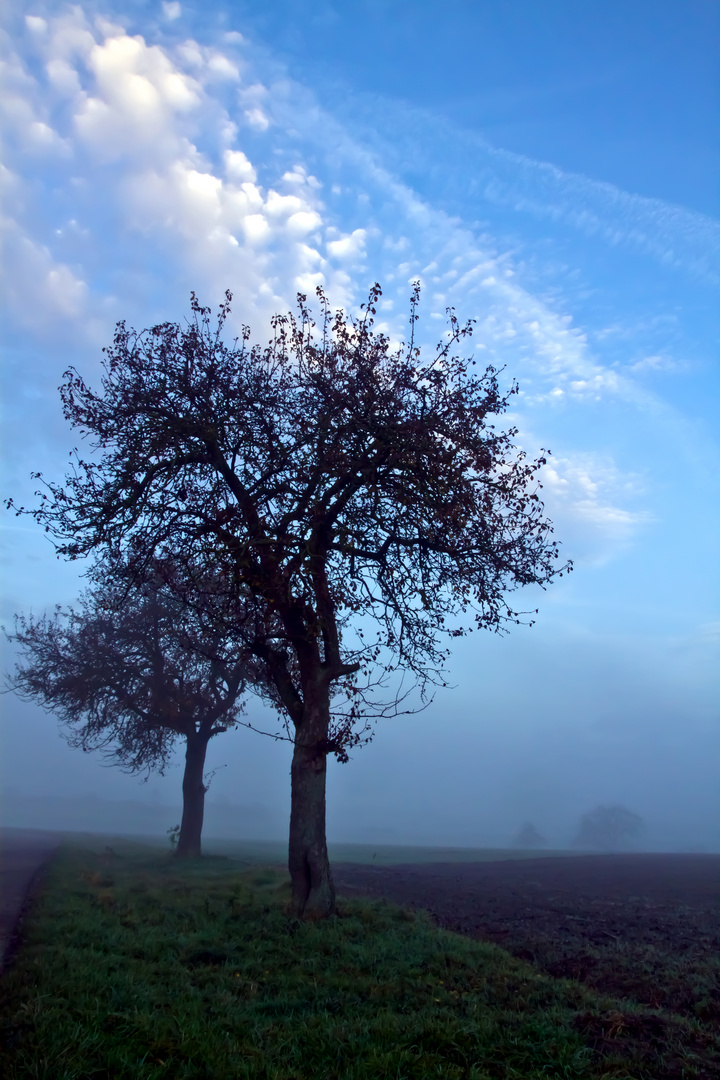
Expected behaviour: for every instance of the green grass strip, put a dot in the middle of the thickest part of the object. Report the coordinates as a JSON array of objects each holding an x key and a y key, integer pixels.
[{"x": 134, "y": 965}]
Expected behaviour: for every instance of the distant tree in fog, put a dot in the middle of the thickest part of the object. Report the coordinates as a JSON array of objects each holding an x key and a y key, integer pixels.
[
  {"x": 528, "y": 837},
  {"x": 608, "y": 828},
  {"x": 358, "y": 496},
  {"x": 129, "y": 672}
]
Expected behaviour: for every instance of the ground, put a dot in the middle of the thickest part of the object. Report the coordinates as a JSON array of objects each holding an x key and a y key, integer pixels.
[{"x": 644, "y": 929}]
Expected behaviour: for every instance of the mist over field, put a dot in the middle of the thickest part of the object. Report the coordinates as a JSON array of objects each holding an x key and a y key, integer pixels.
[
  {"x": 401, "y": 789},
  {"x": 550, "y": 171}
]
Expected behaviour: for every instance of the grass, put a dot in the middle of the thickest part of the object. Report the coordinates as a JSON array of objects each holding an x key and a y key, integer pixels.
[{"x": 134, "y": 965}]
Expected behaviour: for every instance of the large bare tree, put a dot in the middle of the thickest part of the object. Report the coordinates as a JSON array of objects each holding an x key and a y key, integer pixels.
[
  {"x": 130, "y": 671},
  {"x": 356, "y": 493}
]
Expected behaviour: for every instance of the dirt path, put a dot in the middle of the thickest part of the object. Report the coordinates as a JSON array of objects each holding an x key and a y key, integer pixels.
[{"x": 23, "y": 853}]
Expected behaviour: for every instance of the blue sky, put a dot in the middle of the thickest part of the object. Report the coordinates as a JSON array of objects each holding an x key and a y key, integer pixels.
[{"x": 550, "y": 170}]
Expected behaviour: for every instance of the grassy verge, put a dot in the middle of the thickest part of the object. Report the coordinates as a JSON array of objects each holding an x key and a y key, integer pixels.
[{"x": 136, "y": 966}]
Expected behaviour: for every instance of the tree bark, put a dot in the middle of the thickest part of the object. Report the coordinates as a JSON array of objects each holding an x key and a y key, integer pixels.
[
  {"x": 313, "y": 892},
  {"x": 193, "y": 788}
]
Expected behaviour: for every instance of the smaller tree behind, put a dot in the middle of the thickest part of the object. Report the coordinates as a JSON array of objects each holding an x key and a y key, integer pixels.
[
  {"x": 128, "y": 673},
  {"x": 529, "y": 838},
  {"x": 608, "y": 828}
]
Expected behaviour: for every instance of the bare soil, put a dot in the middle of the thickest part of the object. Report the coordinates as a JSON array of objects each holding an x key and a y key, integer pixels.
[{"x": 641, "y": 929}]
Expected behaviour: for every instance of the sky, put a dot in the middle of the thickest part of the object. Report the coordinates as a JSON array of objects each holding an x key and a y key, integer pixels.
[{"x": 550, "y": 170}]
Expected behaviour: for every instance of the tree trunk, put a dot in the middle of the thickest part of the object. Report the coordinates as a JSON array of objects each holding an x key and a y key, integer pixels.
[
  {"x": 313, "y": 892},
  {"x": 193, "y": 790}
]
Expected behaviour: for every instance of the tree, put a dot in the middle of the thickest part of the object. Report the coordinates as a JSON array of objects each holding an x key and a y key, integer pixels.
[
  {"x": 608, "y": 828},
  {"x": 128, "y": 673},
  {"x": 355, "y": 494},
  {"x": 529, "y": 838}
]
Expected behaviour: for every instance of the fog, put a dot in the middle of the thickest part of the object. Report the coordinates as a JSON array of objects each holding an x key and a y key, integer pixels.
[{"x": 539, "y": 728}]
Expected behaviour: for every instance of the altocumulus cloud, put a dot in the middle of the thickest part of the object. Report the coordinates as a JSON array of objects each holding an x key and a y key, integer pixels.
[{"x": 143, "y": 165}]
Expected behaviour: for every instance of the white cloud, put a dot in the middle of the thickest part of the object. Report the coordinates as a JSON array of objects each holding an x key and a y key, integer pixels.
[
  {"x": 137, "y": 109},
  {"x": 593, "y": 505},
  {"x": 303, "y": 222},
  {"x": 36, "y": 24},
  {"x": 40, "y": 290},
  {"x": 254, "y": 99},
  {"x": 655, "y": 363},
  {"x": 63, "y": 77},
  {"x": 138, "y": 93},
  {"x": 237, "y": 167},
  {"x": 308, "y": 282},
  {"x": 299, "y": 175},
  {"x": 24, "y": 115},
  {"x": 257, "y": 119},
  {"x": 596, "y": 386},
  {"x": 257, "y": 228},
  {"x": 172, "y": 10},
  {"x": 64, "y": 291},
  {"x": 348, "y": 247},
  {"x": 283, "y": 205},
  {"x": 223, "y": 68},
  {"x": 191, "y": 53}
]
